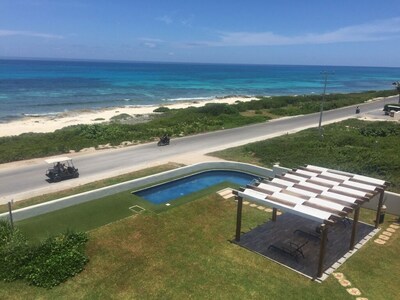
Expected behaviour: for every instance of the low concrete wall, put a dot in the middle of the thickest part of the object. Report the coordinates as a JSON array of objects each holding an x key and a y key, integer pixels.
[
  {"x": 50, "y": 206},
  {"x": 390, "y": 200}
]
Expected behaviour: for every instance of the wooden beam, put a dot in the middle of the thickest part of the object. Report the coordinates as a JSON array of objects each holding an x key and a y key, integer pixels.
[
  {"x": 322, "y": 250},
  {"x": 274, "y": 211},
  {"x": 378, "y": 211},
  {"x": 239, "y": 218},
  {"x": 354, "y": 228}
]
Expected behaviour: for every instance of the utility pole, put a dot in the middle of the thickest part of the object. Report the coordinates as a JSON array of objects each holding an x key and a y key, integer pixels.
[
  {"x": 397, "y": 84},
  {"x": 325, "y": 74},
  {"x": 10, "y": 213}
]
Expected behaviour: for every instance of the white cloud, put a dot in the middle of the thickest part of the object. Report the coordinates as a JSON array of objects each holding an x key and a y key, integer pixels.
[
  {"x": 166, "y": 19},
  {"x": 151, "y": 43},
  {"x": 4, "y": 32},
  {"x": 374, "y": 31}
]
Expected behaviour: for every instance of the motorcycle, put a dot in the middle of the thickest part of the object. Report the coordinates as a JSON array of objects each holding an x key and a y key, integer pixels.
[
  {"x": 164, "y": 141},
  {"x": 358, "y": 110}
]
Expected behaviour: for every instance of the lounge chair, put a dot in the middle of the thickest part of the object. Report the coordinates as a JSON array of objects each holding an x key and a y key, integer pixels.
[
  {"x": 294, "y": 249},
  {"x": 308, "y": 233}
]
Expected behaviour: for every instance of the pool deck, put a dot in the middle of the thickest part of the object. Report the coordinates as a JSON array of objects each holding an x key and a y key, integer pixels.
[{"x": 291, "y": 228}]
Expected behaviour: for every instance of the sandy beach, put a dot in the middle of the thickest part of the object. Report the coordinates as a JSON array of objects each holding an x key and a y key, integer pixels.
[{"x": 54, "y": 122}]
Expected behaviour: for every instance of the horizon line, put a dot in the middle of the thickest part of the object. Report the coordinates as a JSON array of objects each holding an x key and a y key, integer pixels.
[{"x": 178, "y": 62}]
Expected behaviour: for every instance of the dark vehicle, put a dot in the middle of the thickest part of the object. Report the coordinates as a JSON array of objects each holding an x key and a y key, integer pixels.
[
  {"x": 62, "y": 168},
  {"x": 358, "y": 110},
  {"x": 164, "y": 140},
  {"x": 391, "y": 107}
]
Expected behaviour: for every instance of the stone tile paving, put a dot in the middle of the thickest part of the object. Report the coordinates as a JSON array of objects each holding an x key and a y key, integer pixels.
[
  {"x": 347, "y": 284},
  {"x": 387, "y": 234}
]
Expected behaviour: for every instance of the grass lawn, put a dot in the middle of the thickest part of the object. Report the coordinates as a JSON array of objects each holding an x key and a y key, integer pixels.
[
  {"x": 96, "y": 213},
  {"x": 184, "y": 252}
]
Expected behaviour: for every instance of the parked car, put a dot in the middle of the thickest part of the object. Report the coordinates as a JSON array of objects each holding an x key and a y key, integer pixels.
[
  {"x": 61, "y": 168},
  {"x": 391, "y": 107}
]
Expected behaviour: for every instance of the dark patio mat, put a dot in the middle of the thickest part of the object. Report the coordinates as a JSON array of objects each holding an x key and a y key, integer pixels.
[{"x": 290, "y": 228}]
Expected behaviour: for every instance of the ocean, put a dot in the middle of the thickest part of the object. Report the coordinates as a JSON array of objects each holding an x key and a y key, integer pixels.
[{"x": 39, "y": 87}]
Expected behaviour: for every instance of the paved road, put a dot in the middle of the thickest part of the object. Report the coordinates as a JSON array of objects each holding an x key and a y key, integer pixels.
[{"x": 21, "y": 180}]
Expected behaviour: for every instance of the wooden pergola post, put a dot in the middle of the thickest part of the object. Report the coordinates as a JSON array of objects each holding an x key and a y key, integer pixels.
[
  {"x": 354, "y": 227},
  {"x": 274, "y": 212},
  {"x": 378, "y": 211},
  {"x": 239, "y": 218},
  {"x": 324, "y": 235}
]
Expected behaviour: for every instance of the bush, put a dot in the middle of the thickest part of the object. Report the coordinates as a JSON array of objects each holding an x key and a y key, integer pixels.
[
  {"x": 161, "y": 109},
  {"x": 216, "y": 109},
  {"x": 46, "y": 265},
  {"x": 120, "y": 117},
  {"x": 14, "y": 252},
  {"x": 56, "y": 260}
]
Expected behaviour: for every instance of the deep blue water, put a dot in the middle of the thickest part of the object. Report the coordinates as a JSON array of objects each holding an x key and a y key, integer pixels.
[
  {"x": 47, "y": 87},
  {"x": 178, "y": 188}
]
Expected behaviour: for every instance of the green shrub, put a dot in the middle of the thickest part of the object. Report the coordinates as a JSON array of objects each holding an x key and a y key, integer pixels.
[
  {"x": 14, "y": 252},
  {"x": 161, "y": 109},
  {"x": 46, "y": 265},
  {"x": 56, "y": 259},
  {"x": 120, "y": 117},
  {"x": 216, "y": 109}
]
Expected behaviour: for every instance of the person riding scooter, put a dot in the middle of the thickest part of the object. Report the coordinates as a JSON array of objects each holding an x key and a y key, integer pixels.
[
  {"x": 164, "y": 140},
  {"x": 358, "y": 110}
]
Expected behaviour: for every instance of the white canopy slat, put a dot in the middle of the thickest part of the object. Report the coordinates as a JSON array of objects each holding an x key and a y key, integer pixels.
[
  {"x": 363, "y": 186},
  {"x": 283, "y": 182},
  {"x": 314, "y": 186},
  {"x": 297, "y": 195},
  {"x": 344, "y": 198},
  {"x": 269, "y": 187},
  {"x": 301, "y": 192},
  {"x": 349, "y": 191}
]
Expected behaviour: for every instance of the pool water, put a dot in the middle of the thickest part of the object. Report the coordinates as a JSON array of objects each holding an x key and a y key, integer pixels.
[{"x": 181, "y": 187}]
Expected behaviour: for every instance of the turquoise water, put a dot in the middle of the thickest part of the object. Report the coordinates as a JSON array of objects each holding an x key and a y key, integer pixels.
[
  {"x": 178, "y": 188},
  {"x": 33, "y": 87}
]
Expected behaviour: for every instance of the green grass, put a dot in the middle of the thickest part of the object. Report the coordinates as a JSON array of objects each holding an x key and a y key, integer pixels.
[
  {"x": 185, "y": 252},
  {"x": 96, "y": 213},
  {"x": 368, "y": 148}
]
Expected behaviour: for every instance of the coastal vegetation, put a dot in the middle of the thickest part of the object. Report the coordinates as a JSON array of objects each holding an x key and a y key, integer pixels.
[
  {"x": 175, "y": 122},
  {"x": 369, "y": 148},
  {"x": 46, "y": 264}
]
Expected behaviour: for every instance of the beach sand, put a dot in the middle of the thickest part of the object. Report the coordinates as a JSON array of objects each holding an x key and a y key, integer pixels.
[{"x": 52, "y": 123}]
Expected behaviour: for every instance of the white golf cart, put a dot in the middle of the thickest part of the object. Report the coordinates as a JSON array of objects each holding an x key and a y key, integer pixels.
[{"x": 61, "y": 168}]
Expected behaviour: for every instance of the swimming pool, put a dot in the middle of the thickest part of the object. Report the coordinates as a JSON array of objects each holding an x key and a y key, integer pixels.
[{"x": 184, "y": 186}]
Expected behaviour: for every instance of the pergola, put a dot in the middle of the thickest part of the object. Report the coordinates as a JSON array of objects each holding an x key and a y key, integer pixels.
[{"x": 315, "y": 193}]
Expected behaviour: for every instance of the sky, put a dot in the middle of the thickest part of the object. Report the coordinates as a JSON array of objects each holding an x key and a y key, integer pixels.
[{"x": 301, "y": 32}]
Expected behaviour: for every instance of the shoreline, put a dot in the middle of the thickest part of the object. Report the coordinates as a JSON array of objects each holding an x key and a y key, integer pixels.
[{"x": 51, "y": 123}]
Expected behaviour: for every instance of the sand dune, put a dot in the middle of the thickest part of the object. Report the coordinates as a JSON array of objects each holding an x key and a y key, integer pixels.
[{"x": 54, "y": 122}]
